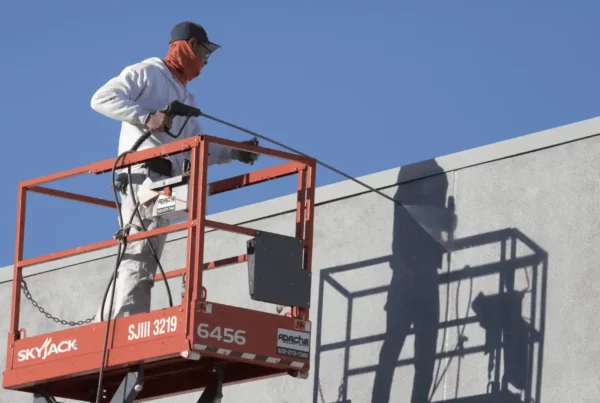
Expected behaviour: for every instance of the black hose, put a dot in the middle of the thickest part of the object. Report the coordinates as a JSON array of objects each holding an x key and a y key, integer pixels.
[
  {"x": 121, "y": 254},
  {"x": 101, "y": 375},
  {"x": 113, "y": 276},
  {"x": 345, "y": 175},
  {"x": 139, "y": 142},
  {"x": 121, "y": 226},
  {"x": 137, "y": 212}
]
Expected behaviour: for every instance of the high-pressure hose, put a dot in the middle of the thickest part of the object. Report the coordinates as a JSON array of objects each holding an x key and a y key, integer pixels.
[
  {"x": 345, "y": 175},
  {"x": 175, "y": 108},
  {"x": 120, "y": 254}
]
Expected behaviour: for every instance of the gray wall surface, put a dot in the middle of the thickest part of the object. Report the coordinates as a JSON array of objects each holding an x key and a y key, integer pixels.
[{"x": 394, "y": 315}]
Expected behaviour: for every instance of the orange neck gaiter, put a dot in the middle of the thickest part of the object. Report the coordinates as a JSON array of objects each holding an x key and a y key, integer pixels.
[{"x": 182, "y": 62}]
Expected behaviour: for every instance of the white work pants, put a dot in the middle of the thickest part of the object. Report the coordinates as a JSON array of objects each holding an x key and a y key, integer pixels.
[{"x": 135, "y": 277}]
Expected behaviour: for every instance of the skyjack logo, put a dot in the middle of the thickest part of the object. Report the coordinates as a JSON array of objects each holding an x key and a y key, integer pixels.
[{"x": 47, "y": 349}]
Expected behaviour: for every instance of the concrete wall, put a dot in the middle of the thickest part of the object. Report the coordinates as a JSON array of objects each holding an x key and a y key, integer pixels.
[{"x": 389, "y": 307}]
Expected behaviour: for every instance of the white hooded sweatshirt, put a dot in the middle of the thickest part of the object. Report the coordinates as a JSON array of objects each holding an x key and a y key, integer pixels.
[{"x": 144, "y": 88}]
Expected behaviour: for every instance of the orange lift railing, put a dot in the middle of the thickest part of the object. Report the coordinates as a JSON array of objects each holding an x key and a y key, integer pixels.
[{"x": 197, "y": 344}]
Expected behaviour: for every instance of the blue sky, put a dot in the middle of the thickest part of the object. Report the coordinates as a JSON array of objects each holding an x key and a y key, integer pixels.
[{"x": 364, "y": 86}]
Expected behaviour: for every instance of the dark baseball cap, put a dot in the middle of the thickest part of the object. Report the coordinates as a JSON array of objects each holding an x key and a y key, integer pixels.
[{"x": 187, "y": 30}]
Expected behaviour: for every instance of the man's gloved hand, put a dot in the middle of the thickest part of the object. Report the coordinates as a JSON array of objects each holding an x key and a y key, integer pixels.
[
  {"x": 158, "y": 122},
  {"x": 246, "y": 157}
]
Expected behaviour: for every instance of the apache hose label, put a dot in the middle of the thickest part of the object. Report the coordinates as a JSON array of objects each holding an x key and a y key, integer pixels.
[
  {"x": 165, "y": 204},
  {"x": 47, "y": 349},
  {"x": 293, "y": 344},
  {"x": 163, "y": 210}
]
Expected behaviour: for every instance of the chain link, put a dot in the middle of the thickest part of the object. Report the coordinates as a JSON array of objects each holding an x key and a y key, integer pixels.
[
  {"x": 340, "y": 392},
  {"x": 321, "y": 391},
  {"x": 47, "y": 314}
]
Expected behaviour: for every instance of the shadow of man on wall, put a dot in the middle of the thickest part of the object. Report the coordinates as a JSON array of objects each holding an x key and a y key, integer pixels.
[{"x": 413, "y": 297}]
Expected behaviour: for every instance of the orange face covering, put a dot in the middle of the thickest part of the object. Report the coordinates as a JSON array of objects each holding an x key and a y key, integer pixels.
[{"x": 182, "y": 61}]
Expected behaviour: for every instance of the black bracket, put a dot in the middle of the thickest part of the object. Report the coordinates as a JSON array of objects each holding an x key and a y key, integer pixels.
[
  {"x": 130, "y": 387},
  {"x": 213, "y": 393},
  {"x": 43, "y": 397}
]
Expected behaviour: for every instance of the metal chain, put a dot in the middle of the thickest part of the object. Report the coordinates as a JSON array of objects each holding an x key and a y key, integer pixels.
[
  {"x": 321, "y": 391},
  {"x": 47, "y": 314},
  {"x": 340, "y": 392}
]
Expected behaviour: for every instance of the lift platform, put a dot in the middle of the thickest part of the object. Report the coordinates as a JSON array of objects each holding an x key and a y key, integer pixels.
[{"x": 191, "y": 345}]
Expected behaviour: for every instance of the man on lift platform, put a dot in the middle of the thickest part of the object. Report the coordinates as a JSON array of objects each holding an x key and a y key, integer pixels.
[{"x": 135, "y": 97}]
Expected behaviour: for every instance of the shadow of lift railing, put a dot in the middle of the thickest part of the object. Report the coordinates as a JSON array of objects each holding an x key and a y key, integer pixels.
[{"x": 509, "y": 338}]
